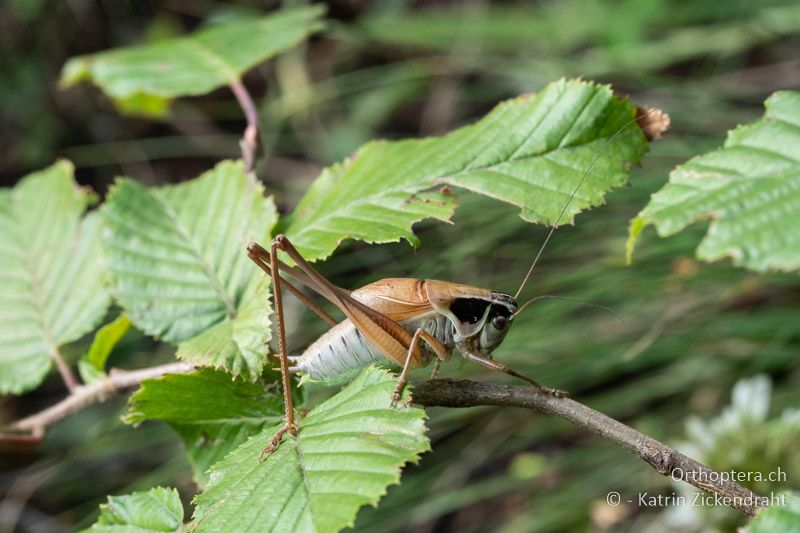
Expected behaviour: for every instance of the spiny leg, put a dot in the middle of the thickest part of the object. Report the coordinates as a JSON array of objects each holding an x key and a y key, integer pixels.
[
  {"x": 289, "y": 426},
  {"x": 261, "y": 258},
  {"x": 309, "y": 276},
  {"x": 500, "y": 367},
  {"x": 435, "y": 371},
  {"x": 390, "y": 337},
  {"x": 437, "y": 347},
  {"x": 255, "y": 250},
  {"x": 401, "y": 382}
]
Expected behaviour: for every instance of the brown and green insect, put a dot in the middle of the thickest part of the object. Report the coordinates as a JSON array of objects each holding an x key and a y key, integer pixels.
[{"x": 409, "y": 322}]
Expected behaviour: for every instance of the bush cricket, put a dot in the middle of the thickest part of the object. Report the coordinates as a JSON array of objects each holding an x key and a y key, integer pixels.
[{"x": 409, "y": 322}]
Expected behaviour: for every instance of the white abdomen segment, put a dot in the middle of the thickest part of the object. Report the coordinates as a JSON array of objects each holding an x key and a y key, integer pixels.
[
  {"x": 338, "y": 352},
  {"x": 343, "y": 349}
]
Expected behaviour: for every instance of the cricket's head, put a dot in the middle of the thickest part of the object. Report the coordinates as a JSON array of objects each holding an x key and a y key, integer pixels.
[{"x": 491, "y": 320}]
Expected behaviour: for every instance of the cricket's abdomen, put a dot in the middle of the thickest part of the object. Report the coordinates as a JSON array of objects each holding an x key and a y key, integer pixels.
[{"x": 343, "y": 349}]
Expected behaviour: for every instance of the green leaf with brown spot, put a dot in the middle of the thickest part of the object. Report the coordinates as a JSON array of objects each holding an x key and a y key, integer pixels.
[
  {"x": 749, "y": 189},
  {"x": 531, "y": 151}
]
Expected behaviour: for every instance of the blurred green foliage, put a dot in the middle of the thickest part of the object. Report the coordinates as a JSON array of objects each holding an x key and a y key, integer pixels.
[
  {"x": 684, "y": 334},
  {"x": 157, "y": 510},
  {"x": 746, "y": 188},
  {"x": 744, "y": 439}
]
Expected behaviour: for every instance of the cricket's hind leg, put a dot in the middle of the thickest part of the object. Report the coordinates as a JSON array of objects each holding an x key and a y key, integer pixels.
[
  {"x": 276, "y": 440},
  {"x": 290, "y": 426}
]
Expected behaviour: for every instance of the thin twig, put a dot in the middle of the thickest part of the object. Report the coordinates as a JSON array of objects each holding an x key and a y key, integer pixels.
[
  {"x": 665, "y": 460},
  {"x": 33, "y": 427},
  {"x": 66, "y": 372},
  {"x": 249, "y": 142}
]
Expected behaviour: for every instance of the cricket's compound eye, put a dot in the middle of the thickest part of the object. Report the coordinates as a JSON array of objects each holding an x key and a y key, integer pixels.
[
  {"x": 469, "y": 310},
  {"x": 500, "y": 322}
]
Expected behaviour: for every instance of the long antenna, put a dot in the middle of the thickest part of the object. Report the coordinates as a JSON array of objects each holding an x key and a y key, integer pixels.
[
  {"x": 556, "y": 297},
  {"x": 571, "y": 196}
]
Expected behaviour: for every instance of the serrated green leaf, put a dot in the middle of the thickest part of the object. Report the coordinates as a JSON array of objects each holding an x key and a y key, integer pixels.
[
  {"x": 237, "y": 345},
  {"x": 348, "y": 450},
  {"x": 105, "y": 340},
  {"x": 51, "y": 277},
  {"x": 750, "y": 189},
  {"x": 204, "y": 397},
  {"x": 179, "y": 268},
  {"x": 212, "y": 413},
  {"x": 783, "y": 514},
  {"x": 191, "y": 65},
  {"x": 156, "y": 510},
  {"x": 531, "y": 152}
]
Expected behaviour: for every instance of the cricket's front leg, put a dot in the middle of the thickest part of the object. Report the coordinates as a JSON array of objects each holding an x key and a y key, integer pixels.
[
  {"x": 433, "y": 342},
  {"x": 403, "y": 379},
  {"x": 500, "y": 367},
  {"x": 436, "y": 365}
]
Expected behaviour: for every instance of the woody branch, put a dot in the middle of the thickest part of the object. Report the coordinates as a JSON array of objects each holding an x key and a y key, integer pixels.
[
  {"x": 446, "y": 393},
  {"x": 32, "y": 428},
  {"x": 665, "y": 460}
]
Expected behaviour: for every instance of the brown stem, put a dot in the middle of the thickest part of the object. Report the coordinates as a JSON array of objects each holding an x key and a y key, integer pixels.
[
  {"x": 665, "y": 460},
  {"x": 249, "y": 142},
  {"x": 450, "y": 393},
  {"x": 33, "y": 427},
  {"x": 66, "y": 372}
]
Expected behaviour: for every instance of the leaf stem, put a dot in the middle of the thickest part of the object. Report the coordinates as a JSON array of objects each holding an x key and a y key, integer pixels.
[
  {"x": 249, "y": 142},
  {"x": 66, "y": 372},
  {"x": 665, "y": 460},
  {"x": 33, "y": 427}
]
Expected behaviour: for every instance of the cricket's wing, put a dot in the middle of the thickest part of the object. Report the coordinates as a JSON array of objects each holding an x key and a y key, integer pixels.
[
  {"x": 396, "y": 298},
  {"x": 404, "y": 298},
  {"x": 375, "y": 310},
  {"x": 381, "y": 330}
]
